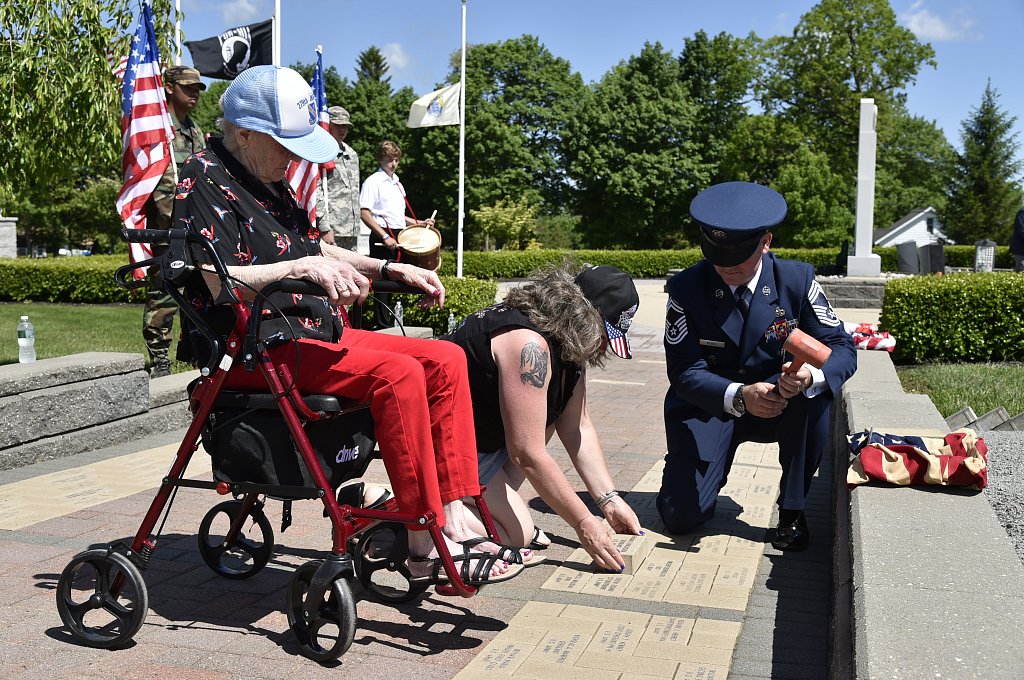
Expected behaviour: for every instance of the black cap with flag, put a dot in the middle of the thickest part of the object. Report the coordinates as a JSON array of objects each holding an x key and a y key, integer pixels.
[{"x": 613, "y": 294}]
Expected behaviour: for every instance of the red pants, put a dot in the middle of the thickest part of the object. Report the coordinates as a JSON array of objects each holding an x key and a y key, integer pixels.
[{"x": 420, "y": 400}]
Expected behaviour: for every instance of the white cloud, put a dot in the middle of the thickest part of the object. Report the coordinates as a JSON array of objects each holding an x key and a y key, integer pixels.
[
  {"x": 241, "y": 12},
  {"x": 398, "y": 58},
  {"x": 928, "y": 26}
]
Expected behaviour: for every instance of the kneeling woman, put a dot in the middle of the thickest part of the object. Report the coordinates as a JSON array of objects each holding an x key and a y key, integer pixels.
[{"x": 527, "y": 371}]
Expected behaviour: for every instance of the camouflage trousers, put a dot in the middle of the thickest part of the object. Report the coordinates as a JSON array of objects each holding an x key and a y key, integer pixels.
[{"x": 158, "y": 323}]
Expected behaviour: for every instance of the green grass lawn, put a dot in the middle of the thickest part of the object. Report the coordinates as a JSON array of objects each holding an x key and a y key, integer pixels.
[
  {"x": 70, "y": 329},
  {"x": 983, "y": 387}
]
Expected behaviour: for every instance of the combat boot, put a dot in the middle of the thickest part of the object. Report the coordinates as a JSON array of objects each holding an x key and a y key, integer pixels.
[{"x": 161, "y": 365}]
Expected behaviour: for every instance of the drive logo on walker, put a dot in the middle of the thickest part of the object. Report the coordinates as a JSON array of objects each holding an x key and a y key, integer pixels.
[{"x": 347, "y": 453}]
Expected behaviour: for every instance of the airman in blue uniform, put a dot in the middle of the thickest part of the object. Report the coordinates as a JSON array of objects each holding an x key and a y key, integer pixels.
[{"x": 727, "y": 319}]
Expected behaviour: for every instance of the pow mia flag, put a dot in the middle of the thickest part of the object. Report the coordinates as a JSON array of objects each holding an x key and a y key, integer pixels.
[{"x": 226, "y": 55}]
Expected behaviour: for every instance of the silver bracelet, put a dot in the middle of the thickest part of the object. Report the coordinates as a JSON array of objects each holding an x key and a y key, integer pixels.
[{"x": 602, "y": 501}]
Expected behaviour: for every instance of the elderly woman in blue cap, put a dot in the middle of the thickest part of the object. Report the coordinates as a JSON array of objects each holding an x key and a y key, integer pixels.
[
  {"x": 727, "y": 319},
  {"x": 235, "y": 194}
]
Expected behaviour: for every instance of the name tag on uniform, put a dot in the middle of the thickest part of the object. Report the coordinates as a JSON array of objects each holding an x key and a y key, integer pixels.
[{"x": 711, "y": 343}]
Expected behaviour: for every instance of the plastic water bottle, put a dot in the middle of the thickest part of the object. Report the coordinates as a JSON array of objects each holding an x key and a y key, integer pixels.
[
  {"x": 399, "y": 314},
  {"x": 26, "y": 341},
  {"x": 451, "y": 322}
]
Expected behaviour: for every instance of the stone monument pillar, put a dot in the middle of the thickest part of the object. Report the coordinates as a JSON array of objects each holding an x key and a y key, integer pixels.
[
  {"x": 8, "y": 236},
  {"x": 863, "y": 262}
]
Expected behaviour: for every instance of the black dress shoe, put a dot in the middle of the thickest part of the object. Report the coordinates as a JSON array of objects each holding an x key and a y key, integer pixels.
[{"x": 792, "y": 532}]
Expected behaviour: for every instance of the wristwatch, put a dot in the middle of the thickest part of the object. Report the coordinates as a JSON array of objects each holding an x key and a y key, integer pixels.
[{"x": 738, "y": 405}]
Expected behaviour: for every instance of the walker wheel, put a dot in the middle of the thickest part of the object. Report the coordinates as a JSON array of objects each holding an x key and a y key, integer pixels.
[
  {"x": 102, "y": 598},
  {"x": 380, "y": 560},
  {"x": 246, "y": 554},
  {"x": 324, "y": 629}
]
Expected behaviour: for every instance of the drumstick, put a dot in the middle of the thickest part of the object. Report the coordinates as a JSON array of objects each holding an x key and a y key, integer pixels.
[{"x": 432, "y": 215}]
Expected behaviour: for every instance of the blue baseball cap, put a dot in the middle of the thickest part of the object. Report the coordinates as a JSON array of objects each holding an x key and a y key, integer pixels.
[
  {"x": 733, "y": 216},
  {"x": 279, "y": 102}
]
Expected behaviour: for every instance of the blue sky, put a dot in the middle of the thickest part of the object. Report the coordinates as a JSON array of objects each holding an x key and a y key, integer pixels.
[{"x": 973, "y": 41}]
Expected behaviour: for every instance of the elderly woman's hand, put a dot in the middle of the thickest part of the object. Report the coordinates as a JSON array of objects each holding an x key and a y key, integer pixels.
[
  {"x": 417, "y": 277},
  {"x": 340, "y": 280}
]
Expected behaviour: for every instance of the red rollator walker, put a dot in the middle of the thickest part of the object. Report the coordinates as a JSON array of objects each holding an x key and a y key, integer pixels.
[{"x": 262, "y": 445}]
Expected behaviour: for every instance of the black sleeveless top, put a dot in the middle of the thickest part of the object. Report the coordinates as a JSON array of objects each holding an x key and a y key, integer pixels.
[{"x": 474, "y": 336}]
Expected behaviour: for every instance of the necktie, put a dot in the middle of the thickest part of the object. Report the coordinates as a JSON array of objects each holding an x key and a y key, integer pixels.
[{"x": 743, "y": 300}]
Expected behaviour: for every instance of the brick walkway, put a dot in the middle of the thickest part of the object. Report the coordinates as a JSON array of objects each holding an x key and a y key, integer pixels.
[{"x": 719, "y": 603}]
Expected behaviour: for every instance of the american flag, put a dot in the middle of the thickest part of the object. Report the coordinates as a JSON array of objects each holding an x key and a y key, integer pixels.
[
  {"x": 304, "y": 176},
  {"x": 146, "y": 130},
  {"x": 117, "y": 66}
]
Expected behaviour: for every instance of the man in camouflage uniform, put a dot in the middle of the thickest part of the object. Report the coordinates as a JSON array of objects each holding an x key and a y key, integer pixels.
[
  {"x": 337, "y": 218},
  {"x": 182, "y": 85}
]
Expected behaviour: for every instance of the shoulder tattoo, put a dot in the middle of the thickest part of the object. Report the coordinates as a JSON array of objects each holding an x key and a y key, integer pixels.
[{"x": 533, "y": 365}]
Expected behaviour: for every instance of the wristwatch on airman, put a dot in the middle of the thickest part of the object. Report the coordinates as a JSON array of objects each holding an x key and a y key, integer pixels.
[{"x": 738, "y": 405}]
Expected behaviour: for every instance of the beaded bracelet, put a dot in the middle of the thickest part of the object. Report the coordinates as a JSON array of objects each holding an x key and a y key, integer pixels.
[{"x": 602, "y": 501}]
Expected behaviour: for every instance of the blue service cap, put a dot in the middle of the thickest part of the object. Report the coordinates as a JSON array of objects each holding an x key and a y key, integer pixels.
[{"x": 733, "y": 217}]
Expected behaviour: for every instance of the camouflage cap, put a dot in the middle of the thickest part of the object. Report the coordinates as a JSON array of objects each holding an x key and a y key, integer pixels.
[
  {"x": 183, "y": 75},
  {"x": 339, "y": 116}
]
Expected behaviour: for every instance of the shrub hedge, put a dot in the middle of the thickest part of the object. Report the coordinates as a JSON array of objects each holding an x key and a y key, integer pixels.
[{"x": 960, "y": 317}]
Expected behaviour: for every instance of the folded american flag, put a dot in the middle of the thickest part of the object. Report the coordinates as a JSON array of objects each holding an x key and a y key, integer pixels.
[
  {"x": 867, "y": 336},
  {"x": 958, "y": 459}
]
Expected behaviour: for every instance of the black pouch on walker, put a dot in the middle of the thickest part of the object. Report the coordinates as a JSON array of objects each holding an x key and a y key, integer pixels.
[{"x": 256, "y": 446}]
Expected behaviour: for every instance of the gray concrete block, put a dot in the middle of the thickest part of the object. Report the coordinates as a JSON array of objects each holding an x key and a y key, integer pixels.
[
  {"x": 66, "y": 408},
  {"x": 988, "y": 421},
  {"x": 970, "y": 635},
  {"x": 962, "y": 418},
  {"x": 18, "y": 378},
  {"x": 170, "y": 389},
  {"x": 1014, "y": 424},
  {"x": 895, "y": 414},
  {"x": 159, "y": 420},
  {"x": 875, "y": 374}
]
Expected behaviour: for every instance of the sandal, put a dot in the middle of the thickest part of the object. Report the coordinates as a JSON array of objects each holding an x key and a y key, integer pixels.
[
  {"x": 479, "y": 576},
  {"x": 535, "y": 542},
  {"x": 510, "y": 555},
  {"x": 354, "y": 495}
]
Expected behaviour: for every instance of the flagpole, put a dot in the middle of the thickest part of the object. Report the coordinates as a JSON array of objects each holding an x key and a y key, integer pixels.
[
  {"x": 462, "y": 144},
  {"x": 177, "y": 32},
  {"x": 277, "y": 32}
]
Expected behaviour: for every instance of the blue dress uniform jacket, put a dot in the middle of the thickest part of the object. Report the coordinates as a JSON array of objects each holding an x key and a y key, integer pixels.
[{"x": 708, "y": 346}]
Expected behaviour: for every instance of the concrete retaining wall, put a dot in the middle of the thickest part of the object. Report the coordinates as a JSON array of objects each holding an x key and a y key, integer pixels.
[
  {"x": 927, "y": 582},
  {"x": 59, "y": 407}
]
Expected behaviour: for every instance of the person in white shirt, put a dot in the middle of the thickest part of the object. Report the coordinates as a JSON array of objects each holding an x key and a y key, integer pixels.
[{"x": 382, "y": 205}]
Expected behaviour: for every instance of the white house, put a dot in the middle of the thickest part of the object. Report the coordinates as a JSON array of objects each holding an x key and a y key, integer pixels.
[{"x": 921, "y": 226}]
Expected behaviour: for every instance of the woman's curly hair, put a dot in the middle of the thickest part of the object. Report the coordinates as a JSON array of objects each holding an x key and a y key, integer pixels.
[{"x": 557, "y": 307}]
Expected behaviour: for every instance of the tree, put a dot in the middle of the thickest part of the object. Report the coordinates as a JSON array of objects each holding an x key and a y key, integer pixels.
[
  {"x": 985, "y": 191},
  {"x": 718, "y": 73},
  {"x": 817, "y": 198},
  {"x": 633, "y": 156},
  {"x": 518, "y": 100},
  {"x": 508, "y": 223},
  {"x": 913, "y": 169},
  {"x": 371, "y": 65},
  {"x": 841, "y": 51},
  {"x": 56, "y": 84}
]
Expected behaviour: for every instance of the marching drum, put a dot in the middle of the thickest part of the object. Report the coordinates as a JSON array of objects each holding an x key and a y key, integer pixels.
[{"x": 420, "y": 245}]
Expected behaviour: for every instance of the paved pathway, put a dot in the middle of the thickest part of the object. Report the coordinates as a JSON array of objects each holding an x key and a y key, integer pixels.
[{"x": 719, "y": 603}]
